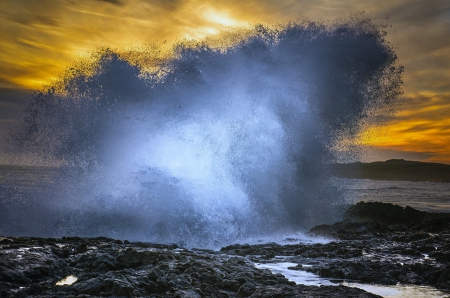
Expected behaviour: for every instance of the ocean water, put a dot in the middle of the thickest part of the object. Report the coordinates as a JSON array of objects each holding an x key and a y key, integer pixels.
[
  {"x": 425, "y": 196},
  {"x": 27, "y": 177},
  {"x": 40, "y": 201},
  {"x": 24, "y": 185}
]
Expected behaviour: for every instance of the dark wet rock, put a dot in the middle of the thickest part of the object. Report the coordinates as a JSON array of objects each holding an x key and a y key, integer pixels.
[
  {"x": 106, "y": 267},
  {"x": 436, "y": 225},
  {"x": 118, "y": 287},
  {"x": 367, "y": 251},
  {"x": 4, "y": 240},
  {"x": 82, "y": 248},
  {"x": 88, "y": 286},
  {"x": 390, "y": 214},
  {"x": 363, "y": 251},
  {"x": 443, "y": 277},
  {"x": 348, "y": 229}
]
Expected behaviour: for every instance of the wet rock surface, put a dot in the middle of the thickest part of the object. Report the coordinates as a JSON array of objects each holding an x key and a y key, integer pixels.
[
  {"x": 362, "y": 251},
  {"x": 31, "y": 267},
  {"x": 366, "y": 251},
  {"x": 390, "y": 214}
]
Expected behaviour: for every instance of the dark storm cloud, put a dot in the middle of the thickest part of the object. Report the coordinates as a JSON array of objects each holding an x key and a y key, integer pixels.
[
  {"x": 421, "y": 28},
  {"x": 30, "y": 19},
  {"x": 421, "y": 13},
  {"x": 114, "y": 2},
  {"x": 12, "y": 103},
  {"x": 46, "y": 20},
  {"x": 437, "y": 61},
  {"x": 168, "y": 5},
  {"x": 5, "y": 83},
  {"x": 27, "y": 44},
  {"x": 434, "y": 109}
]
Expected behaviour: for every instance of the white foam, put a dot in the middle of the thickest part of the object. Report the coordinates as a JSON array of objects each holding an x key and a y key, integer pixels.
[
  {"x": 298, "y": 276},
  {"x": 284, "y": 239}
]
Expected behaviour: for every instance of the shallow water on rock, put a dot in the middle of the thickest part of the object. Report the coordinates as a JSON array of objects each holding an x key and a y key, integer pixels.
[
  {"x": 401, "y": 291},
  {"x": 310, "y": 279},
  {"x": 297, "y": 276}
]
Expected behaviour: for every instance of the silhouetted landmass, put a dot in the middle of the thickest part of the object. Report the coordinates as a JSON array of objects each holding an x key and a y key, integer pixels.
[{"x": 394, "y": 170}]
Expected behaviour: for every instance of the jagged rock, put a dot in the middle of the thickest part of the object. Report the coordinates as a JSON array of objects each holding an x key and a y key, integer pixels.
[
  {"x": 368, "y": 252},
  {"x": 434, "y": 225},
  {"x": 106, "y": 267},
  {"x": 82, "y": 248},
  {"x": 389, "y": 214}
]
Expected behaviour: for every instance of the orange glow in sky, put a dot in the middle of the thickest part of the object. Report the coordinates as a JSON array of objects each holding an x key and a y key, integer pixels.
[{"x": 42, "y": 38}]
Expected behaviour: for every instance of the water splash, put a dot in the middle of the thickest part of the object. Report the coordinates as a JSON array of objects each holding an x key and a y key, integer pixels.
[{"x": 213, "y": 144}]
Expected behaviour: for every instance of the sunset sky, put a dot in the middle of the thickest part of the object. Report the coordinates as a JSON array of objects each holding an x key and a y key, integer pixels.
[{"x": 39, "y": 39}]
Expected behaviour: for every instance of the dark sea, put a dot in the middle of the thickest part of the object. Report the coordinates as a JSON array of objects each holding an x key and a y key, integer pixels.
[
  {"x": 34, "y": 202},
  {"x": 27, "y": 177},
  {"x": 425, "y": 196}
]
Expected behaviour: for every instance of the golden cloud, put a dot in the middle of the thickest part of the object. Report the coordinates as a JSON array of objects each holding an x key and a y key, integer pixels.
[
  {"x": 422, "y": 125},
  {"x": 42, "y": 38}
]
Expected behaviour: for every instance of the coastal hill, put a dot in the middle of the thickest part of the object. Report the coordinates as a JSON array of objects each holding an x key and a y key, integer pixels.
[{"x": 394, "y": 170}]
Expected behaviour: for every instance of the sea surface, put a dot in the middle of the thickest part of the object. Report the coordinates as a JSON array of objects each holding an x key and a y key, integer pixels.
[
  {"x": 25, "y": 177},
  {"x": 426, "y": 196}
]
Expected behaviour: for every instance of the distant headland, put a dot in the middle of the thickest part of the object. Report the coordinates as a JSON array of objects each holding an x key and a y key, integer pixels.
[{"x": 393, "y": 170}]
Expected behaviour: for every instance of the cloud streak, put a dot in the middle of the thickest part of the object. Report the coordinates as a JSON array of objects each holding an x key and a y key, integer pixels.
[{"x": 422, "y": 126}]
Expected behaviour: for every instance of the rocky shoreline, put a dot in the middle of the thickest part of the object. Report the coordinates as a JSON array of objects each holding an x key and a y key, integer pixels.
[{"x": 361, "y": 249}]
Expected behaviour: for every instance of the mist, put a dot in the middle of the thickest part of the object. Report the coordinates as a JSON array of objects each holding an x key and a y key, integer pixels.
[{"x": 211, "y": 147}]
